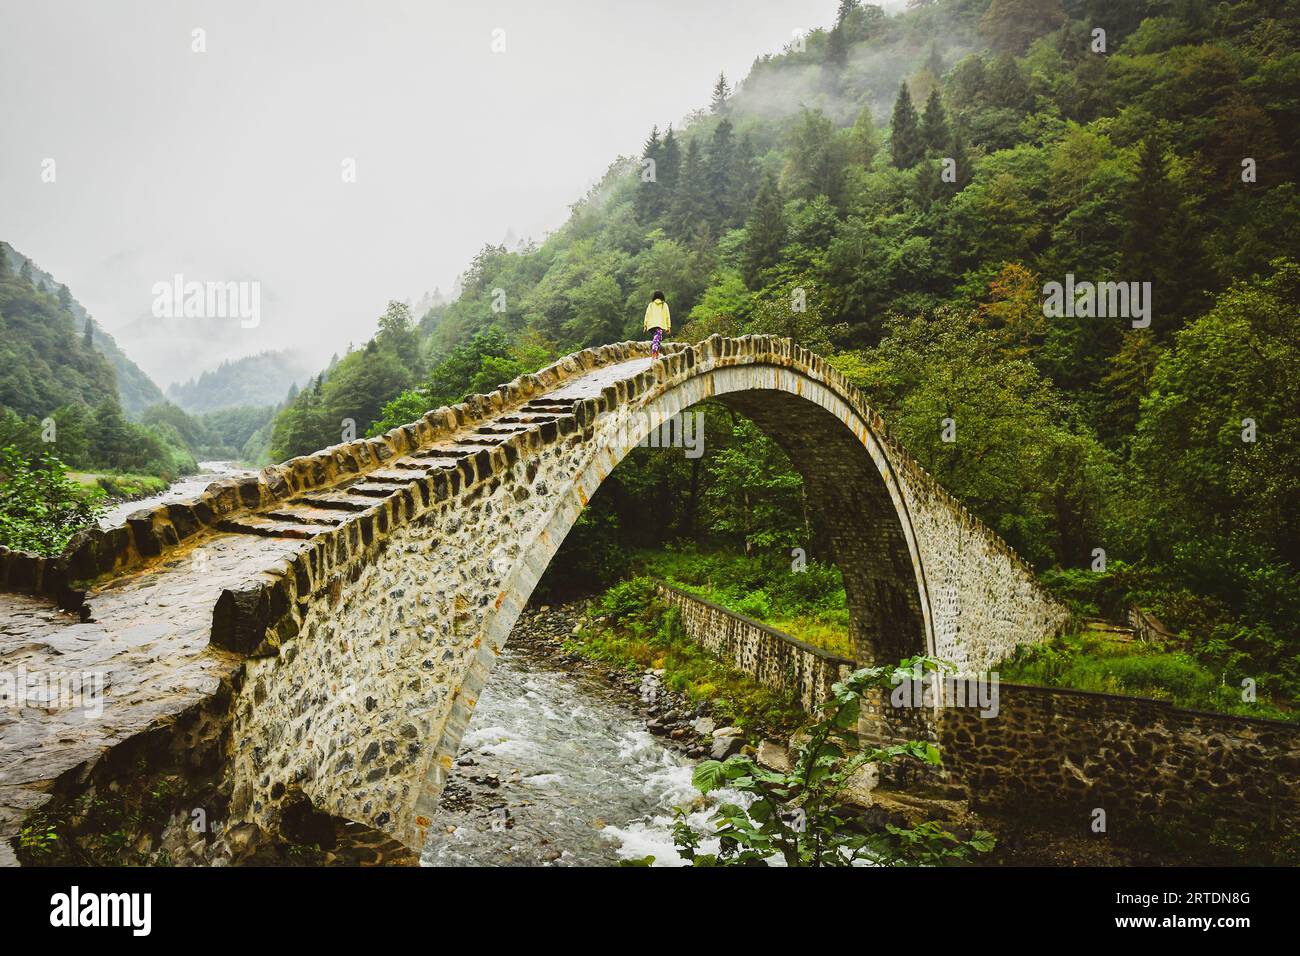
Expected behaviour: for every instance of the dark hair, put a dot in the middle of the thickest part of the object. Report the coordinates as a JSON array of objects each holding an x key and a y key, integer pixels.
[{"x": 658, "y": 296}]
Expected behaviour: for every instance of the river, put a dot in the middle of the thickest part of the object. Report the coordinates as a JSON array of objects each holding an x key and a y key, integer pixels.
[
  {"x": 556, "y": 770},
  {"x": 188, "y": 487}
]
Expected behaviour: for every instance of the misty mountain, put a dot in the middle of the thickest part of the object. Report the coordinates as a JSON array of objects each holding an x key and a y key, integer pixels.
[
  {"x": 254, "y": 380},
  {"x": 45, "y": 358},
  {"x": 136, "y": 390}
]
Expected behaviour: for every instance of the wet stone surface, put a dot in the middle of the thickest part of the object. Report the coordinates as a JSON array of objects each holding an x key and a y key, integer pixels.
[{"x": 142, "y": 658}]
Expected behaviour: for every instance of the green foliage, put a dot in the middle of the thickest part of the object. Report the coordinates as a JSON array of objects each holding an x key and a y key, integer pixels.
[
  {"x": 906, "y": 141},
  {"x": 809, "y": 604},
  {"x": 1096, "y": 661},
  {"x": 39, "y": 838},
  {"x": 44, "y": 361},
  {"x": 796, "y": 815},
  {"x": 40, "y": 509},
  {"x": 633, "y": 629}
]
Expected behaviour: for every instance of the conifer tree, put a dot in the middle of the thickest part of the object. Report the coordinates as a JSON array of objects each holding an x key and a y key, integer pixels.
[
  {"x": 720, "y": 172},
  {"x": 690, "y": 207},
  {"x": 649, "y": 189},
  {"x": 905, "y": 143},
  {"x": 765, "y": 230},
  {"x": 934, "y": 126},
  {"x": 1011, "y": 25},
  {"x": 721, "y": 93}
]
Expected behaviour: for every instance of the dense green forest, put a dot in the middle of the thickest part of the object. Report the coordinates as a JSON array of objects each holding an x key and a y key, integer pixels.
[{"x": 896, "y": 192}]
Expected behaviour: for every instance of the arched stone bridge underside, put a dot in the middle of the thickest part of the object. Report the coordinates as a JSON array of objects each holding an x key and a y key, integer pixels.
[{"x": 374, "y": 583}]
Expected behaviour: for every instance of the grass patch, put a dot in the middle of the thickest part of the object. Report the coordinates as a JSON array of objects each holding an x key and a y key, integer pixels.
[
  {"x": 635, "y": 630},
  {"x": 808, "y": 604},
  {"x": 1097, "y": 660},
  {"x": 118, "y": 486}
]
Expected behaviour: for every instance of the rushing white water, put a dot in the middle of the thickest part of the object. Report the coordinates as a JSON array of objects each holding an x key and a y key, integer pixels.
[
  {"x": 578, "y": 780},
  {"x": 188, "y": 487}
]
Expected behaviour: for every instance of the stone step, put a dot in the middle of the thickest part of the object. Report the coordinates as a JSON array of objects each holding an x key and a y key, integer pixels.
[
  {"x": 369, "y": 489},
  {"x": 394, "y": 476},
  {"x": 308, "y": 515},
  {"x": 335, "y": 500},
  {"x": 423, "y": 464},
  {"x": 532, "y": 417},
  {"x": 269, "y": 528}
]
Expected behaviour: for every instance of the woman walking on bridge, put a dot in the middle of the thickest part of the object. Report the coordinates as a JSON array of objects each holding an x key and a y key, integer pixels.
[{"x": 657, "y": 321}]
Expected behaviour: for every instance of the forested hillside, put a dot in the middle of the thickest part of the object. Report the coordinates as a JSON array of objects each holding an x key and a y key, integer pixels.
[
  {"x": 67, "y": 393},
  {"x": 255, "y": 380},
  {"x": 136, "y": 390},
  {"x": 898, "y": 192}
]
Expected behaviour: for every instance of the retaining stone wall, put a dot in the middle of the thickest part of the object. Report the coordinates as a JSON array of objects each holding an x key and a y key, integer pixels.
[{"x": 772, "y": 658}]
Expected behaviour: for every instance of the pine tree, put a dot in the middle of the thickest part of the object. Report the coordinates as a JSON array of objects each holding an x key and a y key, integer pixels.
[
  {"x": 670, "y": 165},
  {"x": 649, "y": 190},
  {"x": 1159, "y": 246},
  {"x": 1007, "y": 85},
  {"x": 721, "y": 93},
  {"x": 905, "y": 143},
  {"x": 25, "y": 273},
  {"x": 690, "y": 209},
  {"x": 765, "y": 231},
  {"x": 88, "y": 334},
  {"x": 111, "y": 436},
  {"x": 934, "y": 126},
  {"x": 968, "y": 85},
  {"x": 845, "y": 11},
  {"x": 720, "y": 174},
  {"x": 4, "y": 263},
  {"x": 65, "y": 298}
]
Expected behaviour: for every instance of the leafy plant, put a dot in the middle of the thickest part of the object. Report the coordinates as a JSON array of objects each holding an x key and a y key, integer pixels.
[
  {"x": 39, "y": 838},
  {"x": 797, "y": 815},
  {"x": 40, "y": 509}
]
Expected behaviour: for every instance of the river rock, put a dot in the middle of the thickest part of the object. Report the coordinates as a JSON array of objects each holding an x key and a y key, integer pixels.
[
  {"x": 859, "y": 786},
  {"x": 704, "y": 726},
  {"x": 773, "y": 756},
  {"x": 727, "y": 732},
  {"x": 724, "y": 747}
]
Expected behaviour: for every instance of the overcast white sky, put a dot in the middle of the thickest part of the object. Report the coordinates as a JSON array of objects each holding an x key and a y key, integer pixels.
[{"x": 226, "y": 165}]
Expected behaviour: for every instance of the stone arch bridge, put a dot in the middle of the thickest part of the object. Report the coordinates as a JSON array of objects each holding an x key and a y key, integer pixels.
[{"x": 344, "y": 609}]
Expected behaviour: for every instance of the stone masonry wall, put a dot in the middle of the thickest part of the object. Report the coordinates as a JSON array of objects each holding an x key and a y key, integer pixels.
[
  {"x": 774, "y": 659},
  {"x": 1054, "y": 752},
  {"x": 1066, "y": 752}
]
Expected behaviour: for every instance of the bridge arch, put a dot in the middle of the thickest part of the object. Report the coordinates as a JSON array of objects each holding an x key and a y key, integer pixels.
[{"x": 377, "y": 638}]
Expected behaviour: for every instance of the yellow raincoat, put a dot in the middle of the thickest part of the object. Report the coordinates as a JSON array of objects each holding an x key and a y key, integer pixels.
[{"x": 657, "y": 317}]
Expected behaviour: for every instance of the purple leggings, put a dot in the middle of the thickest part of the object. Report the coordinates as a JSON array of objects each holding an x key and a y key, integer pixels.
[{"x": 654, "y": 343}]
